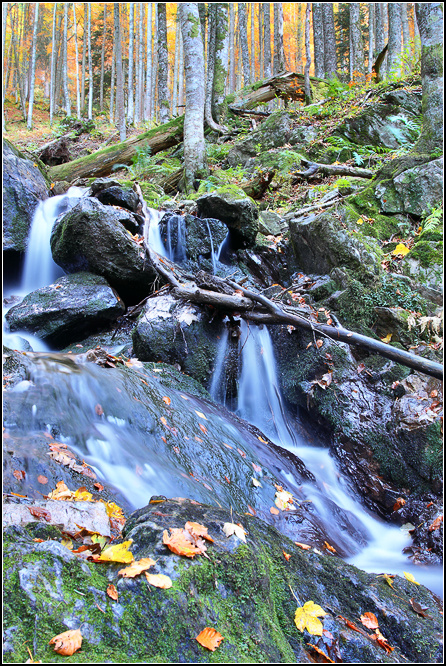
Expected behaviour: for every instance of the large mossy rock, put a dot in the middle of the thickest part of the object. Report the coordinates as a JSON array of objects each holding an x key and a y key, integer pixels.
[
  {"x": 233, "y": 207},
  {"x": 247, "y": 591},
  {"x": 324, "y": 241},
  {"x": 91, "y": 237},
  {"x": 65, "y": 311},
  {"x": 23, "y": 188},
  {"x": 170, "y": 332},
  {"x": 391, "y": 123},
  {"x": 413, "y": 191},
  {"x": 272, "y": 133}
]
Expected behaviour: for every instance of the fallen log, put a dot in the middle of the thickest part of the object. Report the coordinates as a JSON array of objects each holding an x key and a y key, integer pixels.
[
  {"x": 331, "y": 170},
  {"x": 101, "y": 162},
  {"x": 255, "y": 188}
]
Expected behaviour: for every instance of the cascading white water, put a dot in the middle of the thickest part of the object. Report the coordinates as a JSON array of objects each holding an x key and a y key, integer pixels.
[
  {"x": 260, "y": 402},
  {"x": 176, "y": 238},
  {"x": 40, "y": 270},
  {"x": 152, "y": 234}
]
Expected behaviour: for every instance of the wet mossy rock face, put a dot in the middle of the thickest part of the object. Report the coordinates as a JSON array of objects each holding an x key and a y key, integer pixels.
[
  {"x": 23, "y": 188},
  {"x": 65, "y": 311},
  {"x": 91, "y": 237},
  {"x": 242, "y": 590},
  {"x": 233, "y": 207}
]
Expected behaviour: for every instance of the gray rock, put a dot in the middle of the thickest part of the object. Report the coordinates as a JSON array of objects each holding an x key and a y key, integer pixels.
[
  {"x": 269, "y": 223},
  {"x": 117, "y": 196},
  {"x": 413, "y": 191},
  {"x": 102, "y": 184},
  {"x": 90, "y": 237},
  {"x": 272, "y": 133},
  {"x": 233, "y": 207},
  {"x": 66, "y": 310},
  {"x": 23, "y": 188}
]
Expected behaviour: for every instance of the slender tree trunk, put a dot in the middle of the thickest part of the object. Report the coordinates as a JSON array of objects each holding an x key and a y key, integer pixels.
[
  {"x": 212, "y": 14},
  {"x": 300, "y": 22},
  {"x": 307, "y": 54},
  {"x": 147, "y": 103},
  {"x": 195, "y": 165},
  {"x": 155, "y": 68},
  {"x": 5, "y": 7},
  {"x": 253, "y": 43},
  {"x": 221, "y": 58},
  {"x": 357, "y": 45},
  {"x": 163, "y": 64},
  {"x": 371, "y": 11},
  {"x": 318, "y": 40},
  {"x": 33, "y": 67},
  {"x": 65, "y": 61},
  {"x": 112, "y": 84},
  {"x": 53, "y": 60},
  {"x": 243, "y": 36},
  {"x": 394, "y": 50},
  {"x": 279, "y": 53},
  {"x": 406, "y": 33},
  {"x": 90, "y": 67},
  {"x": 101, "y": 85},
  {"x": 175, "y": 68},
  {"x": 231, "y": 61},
  {"x": 119, "y": 75},
  {"x": 130, "y": 107},
  {"x": 266, "y": 40},
  {"x": 140, "y": 69},
  {"x": 330, "y": 66},
  {"x": 181, "y": 75},
  {"x": 78, "y": 92},
  {"x": 430, "y": 23},
  {"x": 261, "y": 44},
  {"x": 84, "y": 57}
]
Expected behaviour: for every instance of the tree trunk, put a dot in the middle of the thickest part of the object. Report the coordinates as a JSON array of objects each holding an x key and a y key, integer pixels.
[
  {"x": 53, "y": 61},
  {"x": 181, "y": 75},
  {"x": 394, "y": 50},
  {"x": 286, "y": 86},
  {"x": 266, "y": 40},
  {"x": 112, "y": 82},
  {"x": 90, "y": 67},
  {"x": 140, "y": 68},
  {"x": 220, "y": 58},
  {"x": 318, "y": 40},
  {"x": 329, "y": 40},
  {"x": 163, "y": 64},
  {"x": 253, "y": 44},
  {"x": 210, "y": 71},
  {"x": 175, "y": 68},
  {"x": 33, "y": 67},
  {"x": 430, "y": 23},
  {"x": 101, "y": 85},
  {"x": 261, "y": 59},
  {"x": 155, "y": 67},
  {"x": 279, "y": 53},
  {"x": 307, "y": 55},
  {"x": 65, "y": 61},
  {"x": 84, "y": 52},
  {"x": 299, "y": 56},
  {"x": 130, "y": 107},
  {"x": 380, "y": 39},
  {"x": 231, "y": 60},
  {"x": 243, "y": 38},
  {"x": 357, "y": 45},
  {"x": 119, "y": 75},
  {"x": 405, "y": 27},
  {"x": 147, "y": 103},
  {"x": 4, "y": 78},
  {"x": 78, "y": 92},
  {"x": 371, "y": 11}
]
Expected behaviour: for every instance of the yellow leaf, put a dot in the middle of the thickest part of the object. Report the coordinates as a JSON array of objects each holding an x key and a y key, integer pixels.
[
  {"x": 67, "y": 643},
  {"x": 200, "y": 414},
  {"x": 387, "y": 338},
  {"x": 360, "y": 221},
  {"x": 137, "y": 567},
  {"x": 118, "y": 553},
  {"x": 231, "y": 528},
  {"x": 283, "y": 500},
  {"x": 410, "y": 577},
  {"x": 306, "y": 617},
  {"x": 256, "y": 483},
  {"x": 159, "y": 580},
  {"x": 82, "y": 495},
  {"x": 401, "y": 249}
]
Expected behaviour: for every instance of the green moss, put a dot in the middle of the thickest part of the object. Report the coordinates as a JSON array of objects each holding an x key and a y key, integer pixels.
[{"x": 427, "y": 253}]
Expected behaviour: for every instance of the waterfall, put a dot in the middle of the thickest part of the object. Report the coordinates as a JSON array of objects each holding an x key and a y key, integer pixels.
[
  {"x": 176, "y": 238},
  {"x": 151, "y": 233}
]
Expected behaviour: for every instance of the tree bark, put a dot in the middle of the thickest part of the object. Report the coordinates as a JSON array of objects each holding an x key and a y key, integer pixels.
[
  {"x": 220, "y": 58},
  {"x": 66, "y": 94},
  {"x": 253, "y": 43},
  {"x": 130, "y": 107},
  {"x": 318, "y": 40},
  {"x": 333, "y": 170},
  {"x": 371, "y": 11},
  {"x": 405, "y": 28},
  {"x": 266, "y": 40},
  {"x": 140, "y": 68},
  {"x": 394, "y": 50},
  {"x": 330, "y": 66},
  {"x": 243, "y": 36},
  {"x": 163, "y": 91},
  {"x": 33, "y": 67},
  {"x": 112, "y": 83},
  {"x": 307, "y": 55},
  {"x": 195, "y": 164},
  {"x": 78, "y": 92},
  {"x": 90, "y": 67},
  {"x": 210, "y": 71},
  {"x": 287, "y": 86},
  {"x": 119, "y": 74},
  {"x": 279, "y": 53},
  {"x": 53, "y": 60},
  {"x": 84, "y": 55},
  {"x": 357, "y": 45},
  {"x": 231, "y": 60},
  {"x": 147, "y": 103},
  {"x": 104, "y": 34},
  {"x": 175, "y": 68}
]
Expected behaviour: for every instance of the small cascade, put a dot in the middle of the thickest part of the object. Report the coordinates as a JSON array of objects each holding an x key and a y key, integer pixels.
[
  {"x": 152, "y": 234},
  {"x": 214, "y": 255},
  {"x": 40, "y": 270},
  {"x": 176, "y": 238}
]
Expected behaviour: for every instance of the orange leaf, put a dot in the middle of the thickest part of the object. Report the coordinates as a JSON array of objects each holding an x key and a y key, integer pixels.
[
  {"x": 436, "y": 524},
  {"x": 251, "y": 510},
  {"x": 179, "y": 544},
  {"x": 286, "y": 555},
  {"x": 202, "y": 428},
  {"x": 197, "y": 530},
  {"x": 369, "y": 620},
  {"x": 228, "y": 479},
  {"x": 19, "y": 474},
  {"x": 399, "y": 503},
  {"x": 262, "y": 440},
  {"x": 319, "y": 343},
  {"x": 98, "y": 409},
  {"x": 67, "y": 643},
  {"x": 274, "y": 510},
  {"x": 209, "y": 638},
  {"x": 159, "y": 580},
  {"x": 256, "y": 468},
  {"x": 163, "y": 420},
  {"x": 38, "y": 512},
  {"x": 99, "y": 487},
  {"x": 382, "y": 642},
  {"x": 242, "y": 453},
  {"x": 167, "y": 400},
  {"x": 304, "y": 546},
  {"x": 112, "y": 592},
  {"x": 324, "y": 659},
  {"x": 137, "y": 567},
  {"x": 328, "y": 547}
]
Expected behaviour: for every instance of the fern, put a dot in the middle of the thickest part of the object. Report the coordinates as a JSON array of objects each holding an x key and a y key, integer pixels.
[{"x": 358, "y": 159}]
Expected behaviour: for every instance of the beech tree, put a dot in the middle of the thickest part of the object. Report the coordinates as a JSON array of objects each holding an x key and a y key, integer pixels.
[
  {"x": 243, "y": 35},
  {"x": 163, "y": 64},
  {"x": 90, "y": 64},
  {"x": 195, "y": 165},
  {"x": 356, "y": 41},
  {"x": 266, "y": 40},
  {"x": 279, "y": 53},
  {"x": 307, "y": 54},
  {"x": 329, "y": 40},
  {"x": 119, "y": 75},
  {"x": 220, "y": 57},
  {"x": 130, "y": 108},
  {"x": 33, "y": 67},
  {"x": 318, "y": 40},
  {"x": 394, "y": 50},
  {"x": 65, "y": 61}
]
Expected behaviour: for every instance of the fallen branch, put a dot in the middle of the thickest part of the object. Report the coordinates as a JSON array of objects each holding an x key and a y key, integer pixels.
[{"x": 331, "y": 170}]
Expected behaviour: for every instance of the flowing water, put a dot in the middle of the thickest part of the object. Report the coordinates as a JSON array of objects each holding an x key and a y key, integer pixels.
[{"x": 254, "y": 394}]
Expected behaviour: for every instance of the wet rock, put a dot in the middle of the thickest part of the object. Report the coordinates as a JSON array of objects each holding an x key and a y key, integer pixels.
[
  {"x": 101, "y": 184},
  {"x": 413, "y": 191},
  {"x": 91, "y": 515},
  {"x": 23, "y": 188},
  {"x": 117, "y": 196},
  {"x": 233, "y": 207},
  {"x": 90, "y": 237},
  {"x": 66, "y": 310},
  {"x": 243, "y": 591},
  {"x": 269, "y": 223}
]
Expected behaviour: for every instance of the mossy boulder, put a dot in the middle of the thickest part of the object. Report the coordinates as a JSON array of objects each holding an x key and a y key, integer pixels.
[
  {"x": 65, "y": 311},
  {"x": 413, "y": 191},
  {"x": 247, "y": 591},
  {"x": 272, "y": 133},
  {"x": 233, "y": 207},
  {"x": 424, "y": 264},
  {"x": 91, "y": 237},
  {"x": 23, "y": 188}
]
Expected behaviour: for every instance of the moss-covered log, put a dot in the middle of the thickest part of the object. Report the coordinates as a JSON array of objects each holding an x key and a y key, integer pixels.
[{"x": 102, "y": 161}]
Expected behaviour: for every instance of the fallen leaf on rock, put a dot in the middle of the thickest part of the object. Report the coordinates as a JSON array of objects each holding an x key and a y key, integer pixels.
[
  {"x": 137, "y": 567},
  {"x": 382, "y": 642},
  {"x": 323, "y": 658},
  {"x": 420, "y": 610},
  {"x": 19, "y": 474},
  {"x": 352, "y": 625},
  {"x": 256, "y": 483},
  {"x": 387, "y": 338},
  {"x": 436, "y": 524},
  {"x": 274, "y": 511},
  {"x": 163, "y": 420},
  {"x": 202, "y": 428},
  {"x": 262, "y": 440},
  {"x": 328, "y": 547},
  {"x": 242, "y": 453},
  {"x": 306, "y": 617},
  {"x": 200, "y": 414},
  {"x": 283, "y": 500},
  {"x": 399, "y": 503},
  {"x": 167, "y": 400},
  {"x": 401, "y": 249},
  {"x": 67, "y": 643},
  {"x": 369, "y": 620},
  {"x": 319, "y": 343},
  {"x": 231, "y": 528},
  {"x": 209, "y": 638},
  {"x": 38, "y": 512},
  {"x": 82, "y": 495},
  {"x": 286, "y": 555},
  {"x": 256, "y": 468},
  {"x": 98, "y": 409},
  {"x": 99, "y": 487},
  {"x": 197, "y": 530},
  {"x": 388, "y": 579},
  {"x": 159, "y": 580},
  {"x": 410, "y": 577},
  {"x": 179, "y": 544},
  {"x": 112, "y": 592},
  {"x": 42, "y": 479},
  {"x": 304, "y": 546},
  {"x": 118, "y": 553}
]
